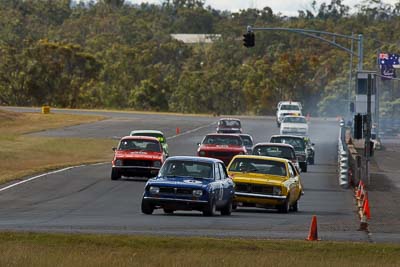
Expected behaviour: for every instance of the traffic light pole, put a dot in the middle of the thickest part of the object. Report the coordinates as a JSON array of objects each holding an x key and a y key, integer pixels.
[
  {"x": 318, "y": 35},
  {"x": 323, "y": 36}
]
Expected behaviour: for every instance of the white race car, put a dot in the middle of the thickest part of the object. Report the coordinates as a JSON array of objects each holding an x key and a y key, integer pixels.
[
  {"x": 296, "y": 125},
  {"x": 287, "y": 108}
]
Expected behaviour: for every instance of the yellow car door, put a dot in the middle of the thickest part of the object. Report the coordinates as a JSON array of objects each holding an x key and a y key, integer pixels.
[{"x": 295, "y": 186}]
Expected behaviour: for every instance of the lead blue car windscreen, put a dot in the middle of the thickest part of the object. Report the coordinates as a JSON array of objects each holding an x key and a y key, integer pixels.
[{"x": 187, "y": 168}]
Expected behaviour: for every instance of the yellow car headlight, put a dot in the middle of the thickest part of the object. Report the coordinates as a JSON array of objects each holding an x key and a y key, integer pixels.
[{"x": 277, "y": 190}]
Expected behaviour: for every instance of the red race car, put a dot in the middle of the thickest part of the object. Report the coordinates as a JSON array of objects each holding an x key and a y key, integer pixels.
[
  {"x": 137, "y": 156},
  {"x": 221, "y": 146}
]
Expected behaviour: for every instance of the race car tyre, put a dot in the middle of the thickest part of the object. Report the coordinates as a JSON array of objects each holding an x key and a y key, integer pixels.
[
  {"x": 115, "y": 175},
  {"x": 312, "y": 161},
  {"x": 295, "y": 206},
  {"x": 147, "y": 208},
  {"x": 227, "y": 210},
  {"x": 168, "y": 211},
  {"x": 284, "y": 208},
  {"x": 234, "y": 206},
  {"x": 210, "y": 209},
  {"x": 303, "y": 166}
]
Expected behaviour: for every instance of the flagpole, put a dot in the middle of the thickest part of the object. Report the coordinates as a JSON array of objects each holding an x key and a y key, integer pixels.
[{"x": 377, "y": 88}]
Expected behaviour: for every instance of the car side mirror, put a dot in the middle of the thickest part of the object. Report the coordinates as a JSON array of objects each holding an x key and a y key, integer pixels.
[
  {"x": 114, "y": 148},
  {"x": 198, "y": 144}
]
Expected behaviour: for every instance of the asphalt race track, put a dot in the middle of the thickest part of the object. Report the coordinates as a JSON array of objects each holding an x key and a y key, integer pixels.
[{"x": 84, "y": 199}]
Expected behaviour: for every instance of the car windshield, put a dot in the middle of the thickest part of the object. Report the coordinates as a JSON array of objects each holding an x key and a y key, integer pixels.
[
  {"x": 262, "y": 166},
  {"x": 290, "y": 107},
  {"x": 297, "y": 143},
  {"x": 229, "y": 123},
  {"x": 187, "y": 168},
  {"x": 159, "y": 136},
  {"x": 223, "y": 140},
  {"x": 275, "y": 151},
  {"x": 139, "y": 144},
  {"x": 247, "y": 140},
  {"x": 294, "y": 120}
]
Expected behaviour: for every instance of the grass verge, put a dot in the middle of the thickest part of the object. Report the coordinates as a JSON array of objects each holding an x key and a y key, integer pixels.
[
  {"x": 37, "y": 249},
  {"x": 22, "y": 155}
]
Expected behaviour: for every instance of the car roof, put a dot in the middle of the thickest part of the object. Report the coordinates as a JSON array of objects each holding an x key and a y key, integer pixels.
[
  {"x": 261, "y": 157},
  {"x": 246, "y": 135},
  {"x": 287, "y": 135},
  {"x": 195, "y": 158},
  {"x": 274, "y": 144},
  {"x": 294, "y": 116},
  {"x": 229, "y": 119},
  {"x": 138, "y": 137},
  {"x": 289, "y": 103},
  {"x": 146, "y": 131},
  {"x": 222, "y": 134}
]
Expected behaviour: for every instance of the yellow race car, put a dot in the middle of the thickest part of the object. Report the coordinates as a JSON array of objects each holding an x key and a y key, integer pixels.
[{"x": 265, "y": 182}]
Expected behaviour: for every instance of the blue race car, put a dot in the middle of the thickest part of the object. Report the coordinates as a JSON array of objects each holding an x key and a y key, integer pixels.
[{"x": 190, "y": 183}]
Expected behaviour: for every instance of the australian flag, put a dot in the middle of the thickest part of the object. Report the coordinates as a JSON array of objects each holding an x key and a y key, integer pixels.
[{"x": 388, "y": 64}]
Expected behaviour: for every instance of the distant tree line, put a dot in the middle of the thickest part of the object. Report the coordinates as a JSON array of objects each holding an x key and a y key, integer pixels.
[{"x": 112, "y": 54}]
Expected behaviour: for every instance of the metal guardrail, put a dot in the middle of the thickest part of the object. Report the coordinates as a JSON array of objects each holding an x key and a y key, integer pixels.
[{"x": 343, "y": 157}]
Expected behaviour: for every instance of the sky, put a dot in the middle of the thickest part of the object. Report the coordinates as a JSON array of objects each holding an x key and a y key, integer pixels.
[{"x": 286, "y": 7}]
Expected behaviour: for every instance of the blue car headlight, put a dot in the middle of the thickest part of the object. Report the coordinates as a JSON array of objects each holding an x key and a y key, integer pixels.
[
  {"x": 197, "y": 193},
  {"x": 154, "y": 190}
]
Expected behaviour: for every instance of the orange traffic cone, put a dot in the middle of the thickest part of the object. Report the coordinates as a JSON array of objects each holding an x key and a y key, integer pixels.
[
  {"x": 366, "y": 210},
  {"x": 313, "y": 234}
]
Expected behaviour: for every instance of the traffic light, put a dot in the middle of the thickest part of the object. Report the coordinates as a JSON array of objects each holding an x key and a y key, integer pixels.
[
  {"x": 358, "y": 126},
  {"x": 249, "y": 39}
]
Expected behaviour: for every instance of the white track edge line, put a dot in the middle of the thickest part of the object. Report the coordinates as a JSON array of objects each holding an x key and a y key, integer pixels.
[
  {"x": 191, "y": 131},
  {"x": 47, "y": 173},
  {"x": 68, "y": 168}
]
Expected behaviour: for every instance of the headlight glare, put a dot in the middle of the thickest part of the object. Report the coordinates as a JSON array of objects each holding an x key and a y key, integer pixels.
[
  {"x": 197, "y": 193},
  {"x": 154, "y": 190},
  {"x": 202, "y": 153}
]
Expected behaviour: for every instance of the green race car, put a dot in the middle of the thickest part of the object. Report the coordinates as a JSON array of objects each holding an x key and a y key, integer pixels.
[{"x": 153, "y": 133}]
